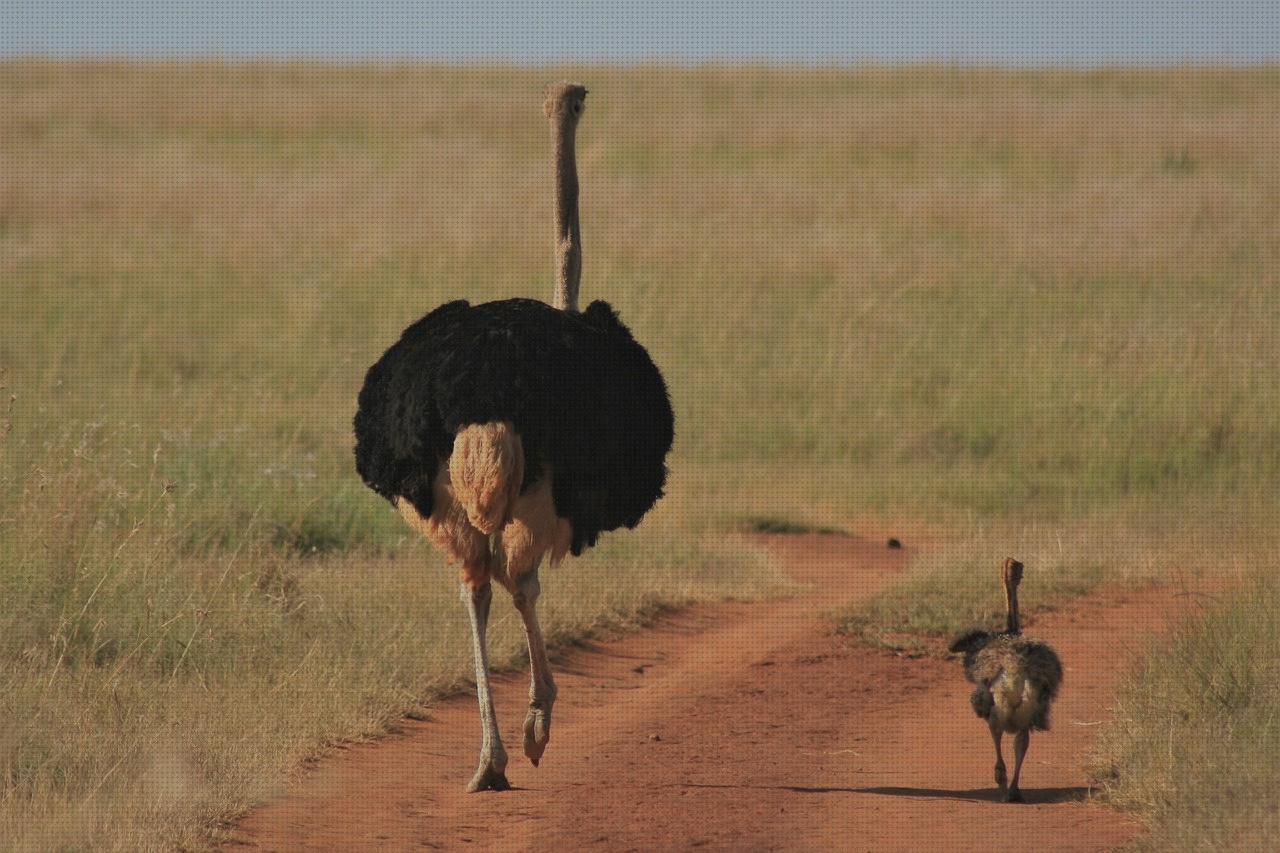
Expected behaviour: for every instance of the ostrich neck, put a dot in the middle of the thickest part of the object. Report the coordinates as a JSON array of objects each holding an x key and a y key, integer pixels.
[
  {"x": 1011, "y": 602},
  {"x": 568, "y": 235}
]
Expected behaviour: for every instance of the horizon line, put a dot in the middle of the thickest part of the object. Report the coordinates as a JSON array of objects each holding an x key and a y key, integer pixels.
[{"x": 241, "y": 59}]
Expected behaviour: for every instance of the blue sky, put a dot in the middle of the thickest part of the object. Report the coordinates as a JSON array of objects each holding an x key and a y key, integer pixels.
[{"x": 1084, "y": 32}]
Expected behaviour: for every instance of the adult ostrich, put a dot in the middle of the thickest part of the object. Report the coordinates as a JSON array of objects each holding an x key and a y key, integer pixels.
[{"x": 512, "y": 430}]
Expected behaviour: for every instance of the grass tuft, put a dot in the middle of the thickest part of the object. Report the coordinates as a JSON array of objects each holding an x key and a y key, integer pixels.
[{"x": 787, "y": 528}]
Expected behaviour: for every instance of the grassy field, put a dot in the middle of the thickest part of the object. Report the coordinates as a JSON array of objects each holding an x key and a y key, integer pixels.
[{"x": 1040, "y": 309}]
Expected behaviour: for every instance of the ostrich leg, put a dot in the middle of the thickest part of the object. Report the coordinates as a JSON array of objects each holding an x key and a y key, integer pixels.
[
  {"x": 1019, "y": 752},
  {"x": 491, "y": 774},
  {"x": 542, "y": 688},
  {"x": 996, "y": 736}
]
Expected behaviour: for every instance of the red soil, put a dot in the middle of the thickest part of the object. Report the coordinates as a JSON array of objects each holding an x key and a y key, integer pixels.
[{"x": 743, "y": 727}]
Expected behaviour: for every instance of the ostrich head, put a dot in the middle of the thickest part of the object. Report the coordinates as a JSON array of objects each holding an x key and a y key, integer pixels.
[{"x": 565, "y": 102}]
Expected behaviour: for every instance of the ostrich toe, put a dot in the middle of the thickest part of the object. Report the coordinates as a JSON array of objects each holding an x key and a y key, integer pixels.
[
  {"x": 488, "y": 778},
  {"x": 537, "y": 732}
]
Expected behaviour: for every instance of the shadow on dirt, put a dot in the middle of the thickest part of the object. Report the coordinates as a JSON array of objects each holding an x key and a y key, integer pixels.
[
  {"x": 1034, "y": 796},
  {"x": 795, "y": 789}
]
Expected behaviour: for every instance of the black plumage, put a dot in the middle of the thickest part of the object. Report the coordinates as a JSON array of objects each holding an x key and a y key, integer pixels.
[{"x": 584, "y": 396}]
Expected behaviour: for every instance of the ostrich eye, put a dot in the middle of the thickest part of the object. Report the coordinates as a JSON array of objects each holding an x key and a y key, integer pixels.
[{"x": 577, "y": 108}]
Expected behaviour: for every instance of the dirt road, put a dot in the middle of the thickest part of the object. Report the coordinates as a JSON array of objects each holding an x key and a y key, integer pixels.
[{"x": 744, "y": 727}]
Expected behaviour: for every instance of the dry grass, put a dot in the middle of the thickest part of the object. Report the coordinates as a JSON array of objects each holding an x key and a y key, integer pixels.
[
  {"x": 1195, "y": 749},
  {"x": 1003, "y": 301},
  {"x": 954, "y": 583},
  {"x": 857, "y": 254},
  {"x": 150, "y": 691}
]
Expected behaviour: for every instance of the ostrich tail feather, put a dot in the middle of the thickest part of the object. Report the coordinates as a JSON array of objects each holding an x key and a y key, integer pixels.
[{"x": 486, "y": 468}]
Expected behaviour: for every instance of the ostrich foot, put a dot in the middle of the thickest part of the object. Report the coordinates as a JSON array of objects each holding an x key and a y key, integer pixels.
[
  {"x": 1013, "y": 795},
  {"x": 537, "y": 731},
  {"x": 488, "y": 778},
  {"x": 492, "y": 773},
  {"x": 1001, "y": 778}
]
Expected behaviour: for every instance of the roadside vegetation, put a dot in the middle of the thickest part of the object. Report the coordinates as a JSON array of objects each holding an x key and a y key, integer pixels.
[
  {"x": 1195, "y": 748},
  {"x": 953, "y": 584},
  {"x": 1036, "y": 310}
]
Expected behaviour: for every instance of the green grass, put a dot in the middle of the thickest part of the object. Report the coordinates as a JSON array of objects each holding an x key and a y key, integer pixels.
[
  {"x": 784, "y": 527},
  {"x": 972, "y": 297}
]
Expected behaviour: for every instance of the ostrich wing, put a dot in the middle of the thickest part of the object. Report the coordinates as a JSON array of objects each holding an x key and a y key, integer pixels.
[
  {"x": 609, "y": 460},
  {"x": 401, "y": 439}
]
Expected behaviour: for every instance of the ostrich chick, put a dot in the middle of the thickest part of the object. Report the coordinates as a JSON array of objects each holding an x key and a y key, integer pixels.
[{"x": 1016, "y": 681}]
